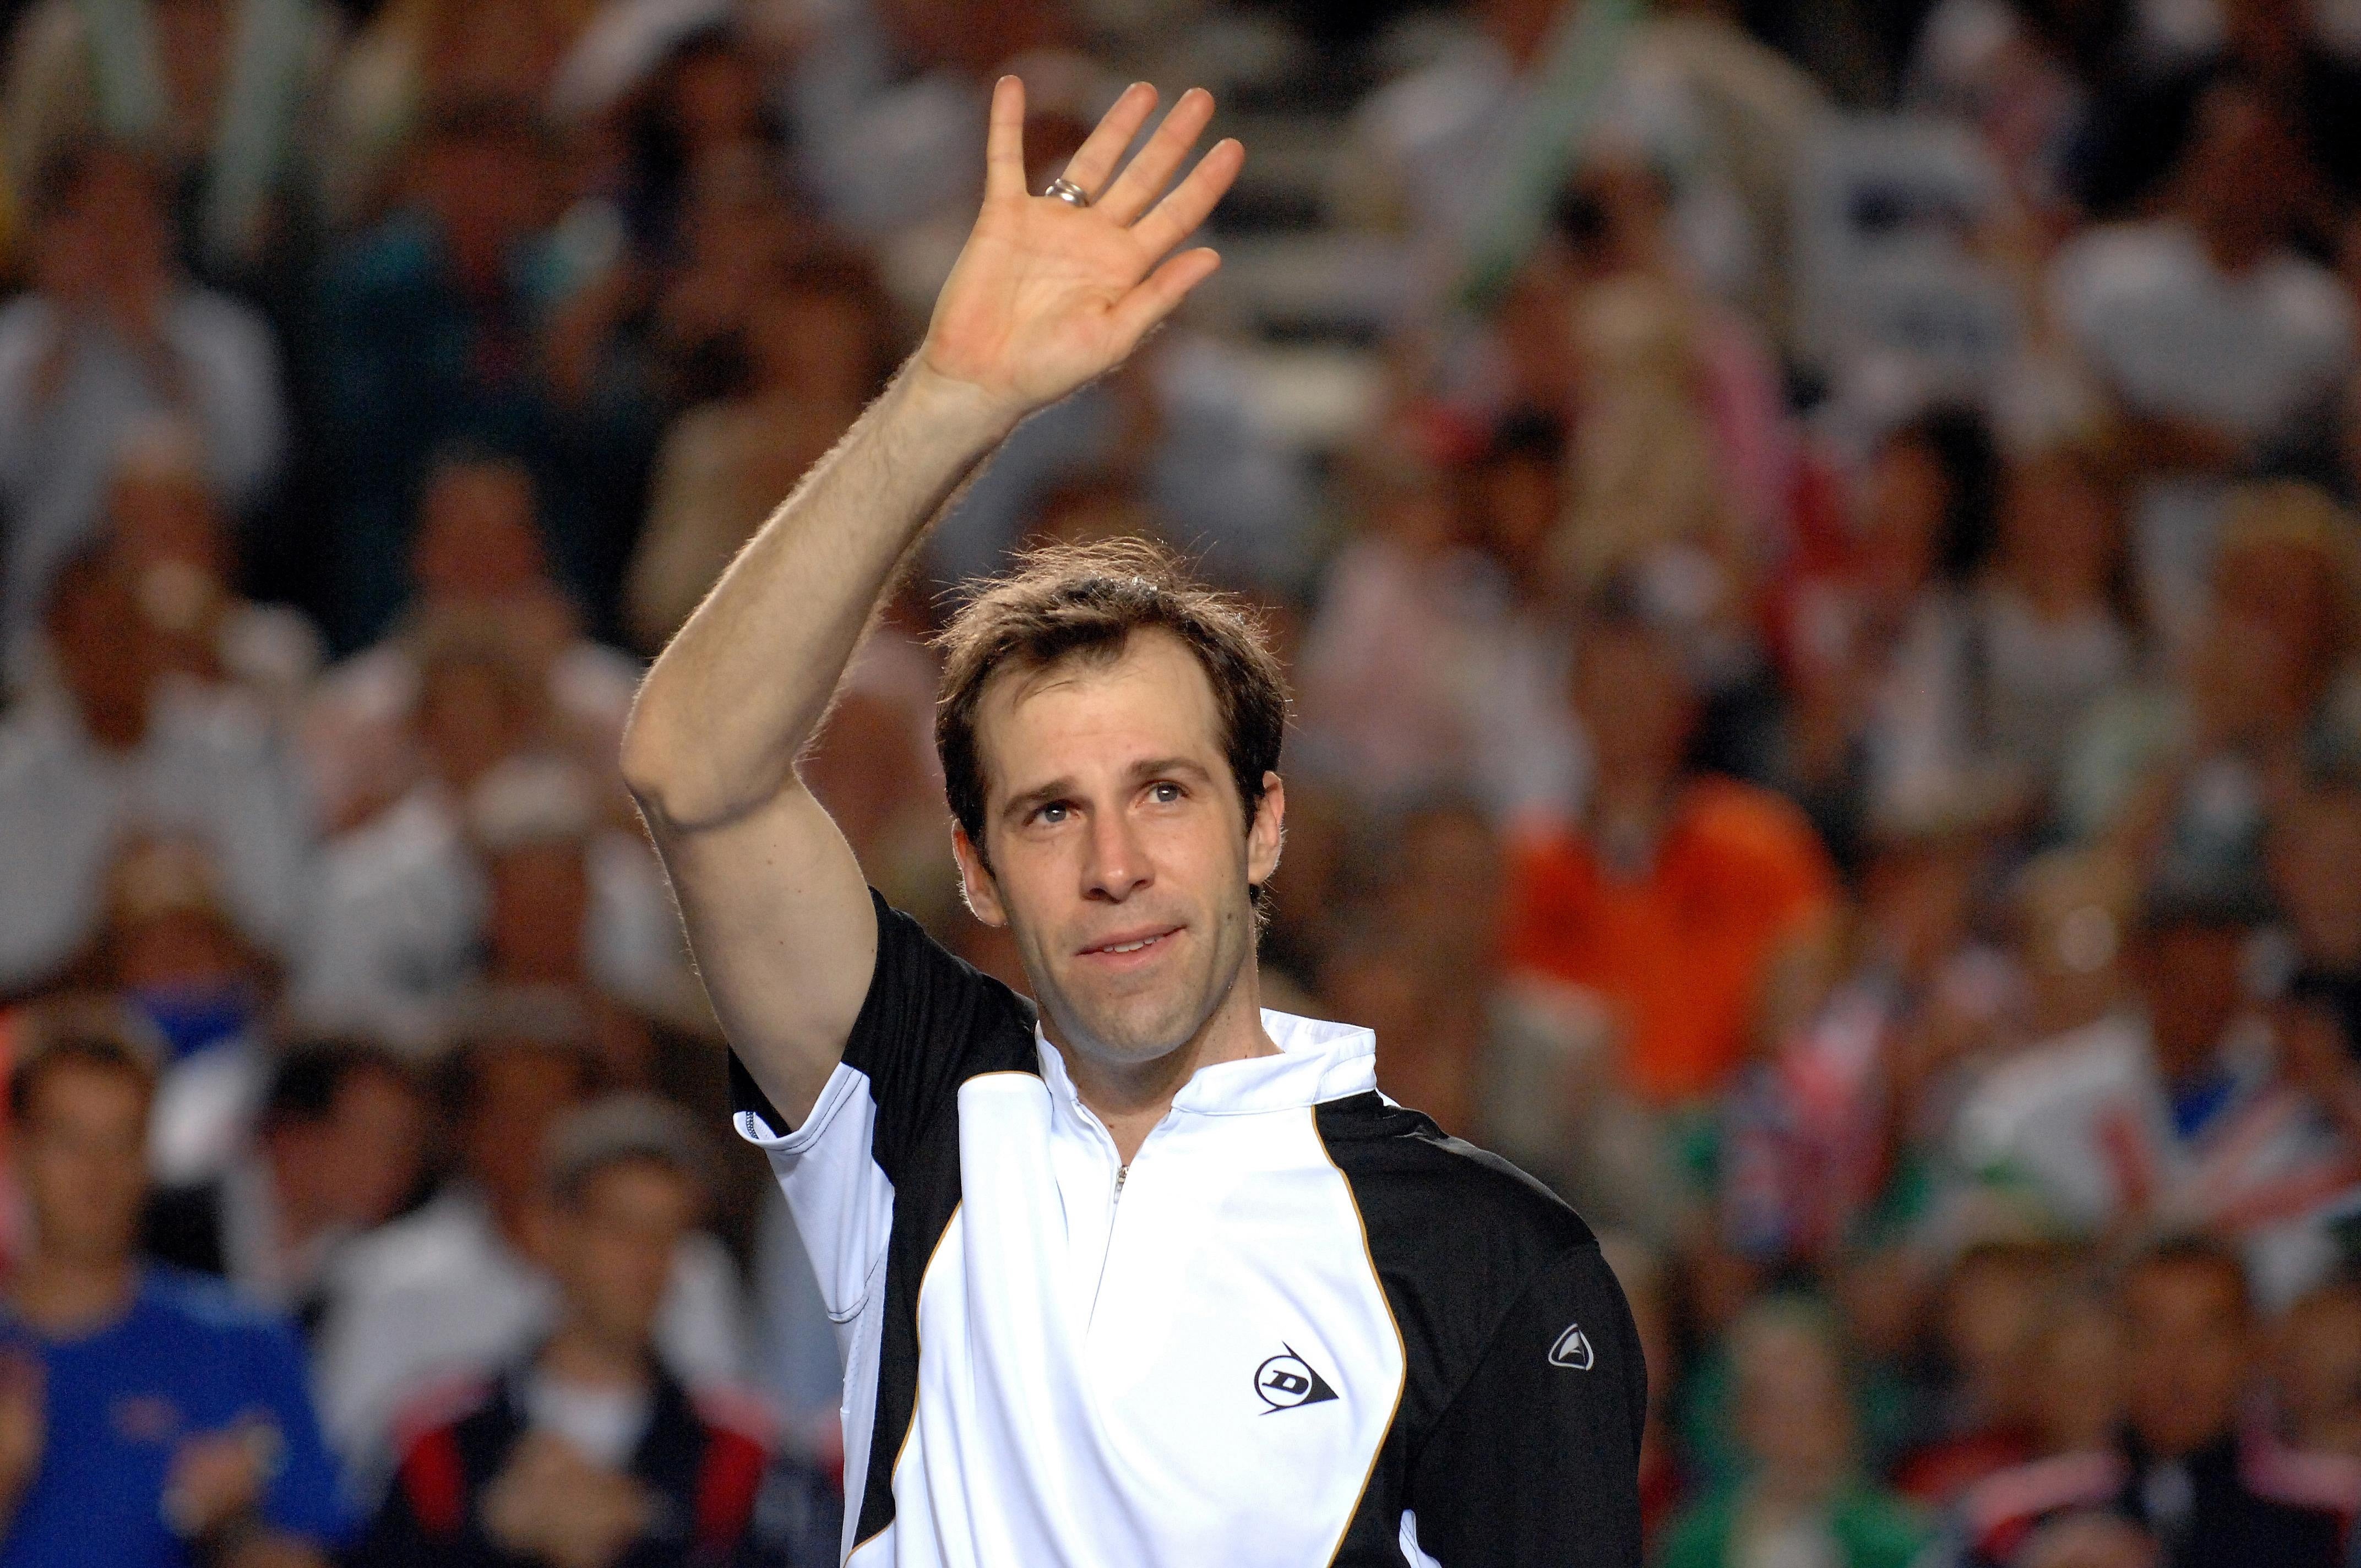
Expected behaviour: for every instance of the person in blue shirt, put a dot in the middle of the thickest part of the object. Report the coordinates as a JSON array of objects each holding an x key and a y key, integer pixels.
[{"x": 149, "y": 1418}]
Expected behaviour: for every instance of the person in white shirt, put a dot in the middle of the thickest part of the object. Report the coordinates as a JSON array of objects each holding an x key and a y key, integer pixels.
[
  {"x": 1150, "y": 1275},
  {"x": 2221, "y": 343},
  {"x": 116, "y": 746},
  {"x": 111, "y": 337}
]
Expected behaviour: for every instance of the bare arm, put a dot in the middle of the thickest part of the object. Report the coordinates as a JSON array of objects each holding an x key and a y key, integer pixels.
[{"x": 1044, "y": 298}]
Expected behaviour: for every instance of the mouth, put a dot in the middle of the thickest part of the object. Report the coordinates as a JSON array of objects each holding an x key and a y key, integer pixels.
[{"x": 1131, "y": 944}]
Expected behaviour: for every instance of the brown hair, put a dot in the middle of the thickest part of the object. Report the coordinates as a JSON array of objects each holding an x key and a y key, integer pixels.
[
  {"x": 76, "y": 1030},
  {"x": 1084, "y": 601}
]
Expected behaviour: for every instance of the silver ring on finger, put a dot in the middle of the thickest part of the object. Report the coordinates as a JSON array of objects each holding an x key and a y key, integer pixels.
[{"x": 1066, "y": 190}]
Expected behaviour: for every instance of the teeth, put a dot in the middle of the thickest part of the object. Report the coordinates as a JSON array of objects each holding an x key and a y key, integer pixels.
[{"x": 1133, "y": 946}]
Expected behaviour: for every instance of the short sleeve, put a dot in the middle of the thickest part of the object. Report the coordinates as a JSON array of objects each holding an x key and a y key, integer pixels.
[
  {"x": 1536, "y": 1459},
  {"x": 929, "y": 1023}
]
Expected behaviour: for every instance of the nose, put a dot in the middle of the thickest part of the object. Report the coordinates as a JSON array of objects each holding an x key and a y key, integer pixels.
[{"x": 1117, "y": 864}]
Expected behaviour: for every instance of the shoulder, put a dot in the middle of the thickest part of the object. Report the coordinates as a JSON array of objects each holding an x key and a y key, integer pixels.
[
  {"x": 1431, "y": 1201},
  {"x": 909, "y": 960},
  {"x": 1752, "y": 829},
  {"x": 206, "y": 1308}
]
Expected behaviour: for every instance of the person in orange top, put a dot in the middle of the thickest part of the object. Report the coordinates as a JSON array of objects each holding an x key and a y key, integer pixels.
[{"x": 1677, "y": 893}]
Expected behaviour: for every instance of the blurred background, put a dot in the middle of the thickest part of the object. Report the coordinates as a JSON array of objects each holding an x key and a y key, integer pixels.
[{"x": 1811, "y": 540}]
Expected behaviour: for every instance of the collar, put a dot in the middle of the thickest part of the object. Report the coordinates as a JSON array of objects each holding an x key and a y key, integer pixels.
[{"x": 1317, "y": 1061}]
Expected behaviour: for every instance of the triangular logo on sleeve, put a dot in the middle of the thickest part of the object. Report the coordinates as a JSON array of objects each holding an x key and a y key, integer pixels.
[
  {"x": 1287, "y": 1380},
  {"x": 1572, "y": 1349}
]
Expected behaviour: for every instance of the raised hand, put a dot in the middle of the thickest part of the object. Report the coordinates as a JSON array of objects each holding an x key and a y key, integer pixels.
[{"x": 1047, "y": 295}]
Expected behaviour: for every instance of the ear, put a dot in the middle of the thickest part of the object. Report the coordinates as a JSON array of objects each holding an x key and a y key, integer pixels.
[
  {"x": 1267, "y": 832},
  {"x": 976, "y": 884}
]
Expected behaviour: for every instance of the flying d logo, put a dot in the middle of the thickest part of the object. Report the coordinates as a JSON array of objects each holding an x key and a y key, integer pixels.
[
  {"x": 1287, "y": 1380},
  {"x": 1571, "y": 1349}
]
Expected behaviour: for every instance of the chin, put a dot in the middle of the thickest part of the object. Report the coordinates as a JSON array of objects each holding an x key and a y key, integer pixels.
[{"x": 1146, "y": 1030}]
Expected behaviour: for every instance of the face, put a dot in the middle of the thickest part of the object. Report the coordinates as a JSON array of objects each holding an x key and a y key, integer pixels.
[
  {"x": 1792, "y": 1413},
  {"x": 476, "y": 538},
  {"x": 2058, "y": 534},
  {"x": 2187, "y": 1353},
  {"x": 82, "y": 1156},
  {"x": 359, "y": 1161},
  {"x": 612, "y": 1250},
  {"x": 1121, "y": 858},
  {"x": 521, "y": 1092}
]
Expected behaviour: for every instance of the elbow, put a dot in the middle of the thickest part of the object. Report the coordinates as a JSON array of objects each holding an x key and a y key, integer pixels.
[{"x": 650, "y": 760}]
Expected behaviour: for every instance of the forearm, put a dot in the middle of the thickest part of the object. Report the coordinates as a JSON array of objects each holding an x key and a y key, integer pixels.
[{"x": 739, "y": 693}]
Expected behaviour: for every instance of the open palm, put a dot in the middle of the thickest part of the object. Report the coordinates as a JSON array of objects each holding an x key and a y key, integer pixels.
[{"x": 1047, "y": 295}]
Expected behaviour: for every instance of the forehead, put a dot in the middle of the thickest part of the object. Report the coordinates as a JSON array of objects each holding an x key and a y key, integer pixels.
[{"x": 1151, "y": 698}]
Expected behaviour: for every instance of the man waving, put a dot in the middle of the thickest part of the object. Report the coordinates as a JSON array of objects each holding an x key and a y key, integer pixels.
[{"x": 1150, "y": 1276}]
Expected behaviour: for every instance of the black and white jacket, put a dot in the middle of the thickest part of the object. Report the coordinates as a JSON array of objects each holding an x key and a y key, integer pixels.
[{"x": 1303, "y": 1327}]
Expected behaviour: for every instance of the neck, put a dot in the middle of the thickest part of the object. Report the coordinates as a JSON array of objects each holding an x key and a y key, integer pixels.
[
  {"x": 62, "y": 1295},
  {"x": 1132, "y": 1098},
  {"x": 579, "y": 1354},
  {"x": 1628, "y": 808}
]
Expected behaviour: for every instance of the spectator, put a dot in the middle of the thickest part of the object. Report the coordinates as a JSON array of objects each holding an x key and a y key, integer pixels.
[
  {"x": 433, "y": 332},
  {"x": 1804, "y": 1499},
  {"x": 171, "y": 951},
  {"x": 2078, "y": 1379},
  {"x": 587, "y": 1449},
  {"x": 167, "y": 524},
  {"x": 2185, "y": 779},
  {"x": 2218, "y": 339},
  {"x": 217, "y": 86},
  {"x": 1991, "y": 1319},
  {"x": 338, "y": 1147},
  {"x": 453, "y": 1288},
  {"x": 1677, "y": 892},
  {"x": 117, "y": 749},
  {"x": 1886, "y": 734},
  {"x": 2180, "y": 1468},
  {"x": 704, "y": 103},
  {"x": 818, "y": 348},
  {"x": 112, "y": 335},
  {"x": 480, "y": 573},
  {"x": 150, "y": 1418},
  {"x": 2051, "y": 631}
]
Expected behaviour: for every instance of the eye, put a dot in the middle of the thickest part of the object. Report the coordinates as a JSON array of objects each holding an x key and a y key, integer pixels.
[
  {"x": 1053, "y": 812},
  {"x": 1164, "y": 792}
]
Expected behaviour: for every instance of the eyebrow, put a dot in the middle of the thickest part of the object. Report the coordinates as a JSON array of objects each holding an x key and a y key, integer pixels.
[{"x": 1019, "y": 806}]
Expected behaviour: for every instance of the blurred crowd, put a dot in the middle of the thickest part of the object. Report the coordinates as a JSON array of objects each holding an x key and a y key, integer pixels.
[{"x": 1816, "y": 546}]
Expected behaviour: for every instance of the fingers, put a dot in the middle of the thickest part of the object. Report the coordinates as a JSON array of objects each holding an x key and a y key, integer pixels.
[
  {"x": 1159, "y": 293},
  {"x": 1148, "y": 173},
  {"x": 1003, "y": 147},
  {"x": 1095, "y": 160},
  {"x": 1176, "y": 217}
]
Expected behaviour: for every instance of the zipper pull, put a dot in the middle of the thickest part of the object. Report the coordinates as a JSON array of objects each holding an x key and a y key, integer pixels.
[{"x": 1121, "y": 1173}]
